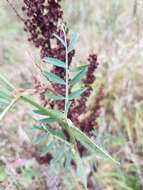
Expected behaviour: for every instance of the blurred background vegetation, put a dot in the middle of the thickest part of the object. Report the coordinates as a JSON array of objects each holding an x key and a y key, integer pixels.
[{"x": 114, "y": 30}]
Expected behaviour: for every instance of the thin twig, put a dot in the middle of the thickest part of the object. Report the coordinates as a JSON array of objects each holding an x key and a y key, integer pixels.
[
  {"x": 2, "y": 115},
  {"x": 16, "y": 12},
  {"x": 67, "y": 70},
  {"x": 135, "y": 7}
]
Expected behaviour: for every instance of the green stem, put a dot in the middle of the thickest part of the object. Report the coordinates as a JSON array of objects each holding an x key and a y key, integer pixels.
[
  {"x": 51, "y": 114},
  {"x": 72, "y": 139},
  {"x": 3, "y": 114},
  {"x": 67, "y": 73}
]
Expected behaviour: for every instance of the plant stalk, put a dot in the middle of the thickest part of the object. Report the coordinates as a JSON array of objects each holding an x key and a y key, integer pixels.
[
  {"x": 72, "y": 139},
  {"x": 67, "y": 73},
  {"x": 3, "y": 114}
]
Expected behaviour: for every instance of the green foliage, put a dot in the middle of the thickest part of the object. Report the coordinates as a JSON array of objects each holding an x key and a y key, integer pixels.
[
  {"x": 41, "y": 139},
  {"x": 52, "y": 136},
  {"x": 6, "y": 92},
  {"x": 59, "y": 154},
  {"x": 73, "y": 42},
  {"x": 78, "y": 76},
  {"x": 80, "y": 68},
  {"x": 126, "y": 180},
  {"x": 68, "y": 159},
  {"x": 55, "y": 132},
  {"x": 5, "y": 83},
  {"x": 48, "y": 147},
  {"x": 48, "y": 120},
  {"x": 53, "y": 96},
  {"x": 77, "y": 93},
  {"x": 54, "y": 61},
  {"x": 88, "y": 143},
  {"x": 3, "y": 174},
  {"x": 54, "y": 78},
  {"x": 67, "y": 106},
  {"x": 7, "y": 99}
]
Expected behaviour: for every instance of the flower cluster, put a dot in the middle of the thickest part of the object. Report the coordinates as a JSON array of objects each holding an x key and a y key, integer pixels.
[
  {"x": 42, "y": 21},
  {"x": 90, "y": 77},
  {"x": 79, "y": 106},
  {"x": 89, "y": 122}
]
